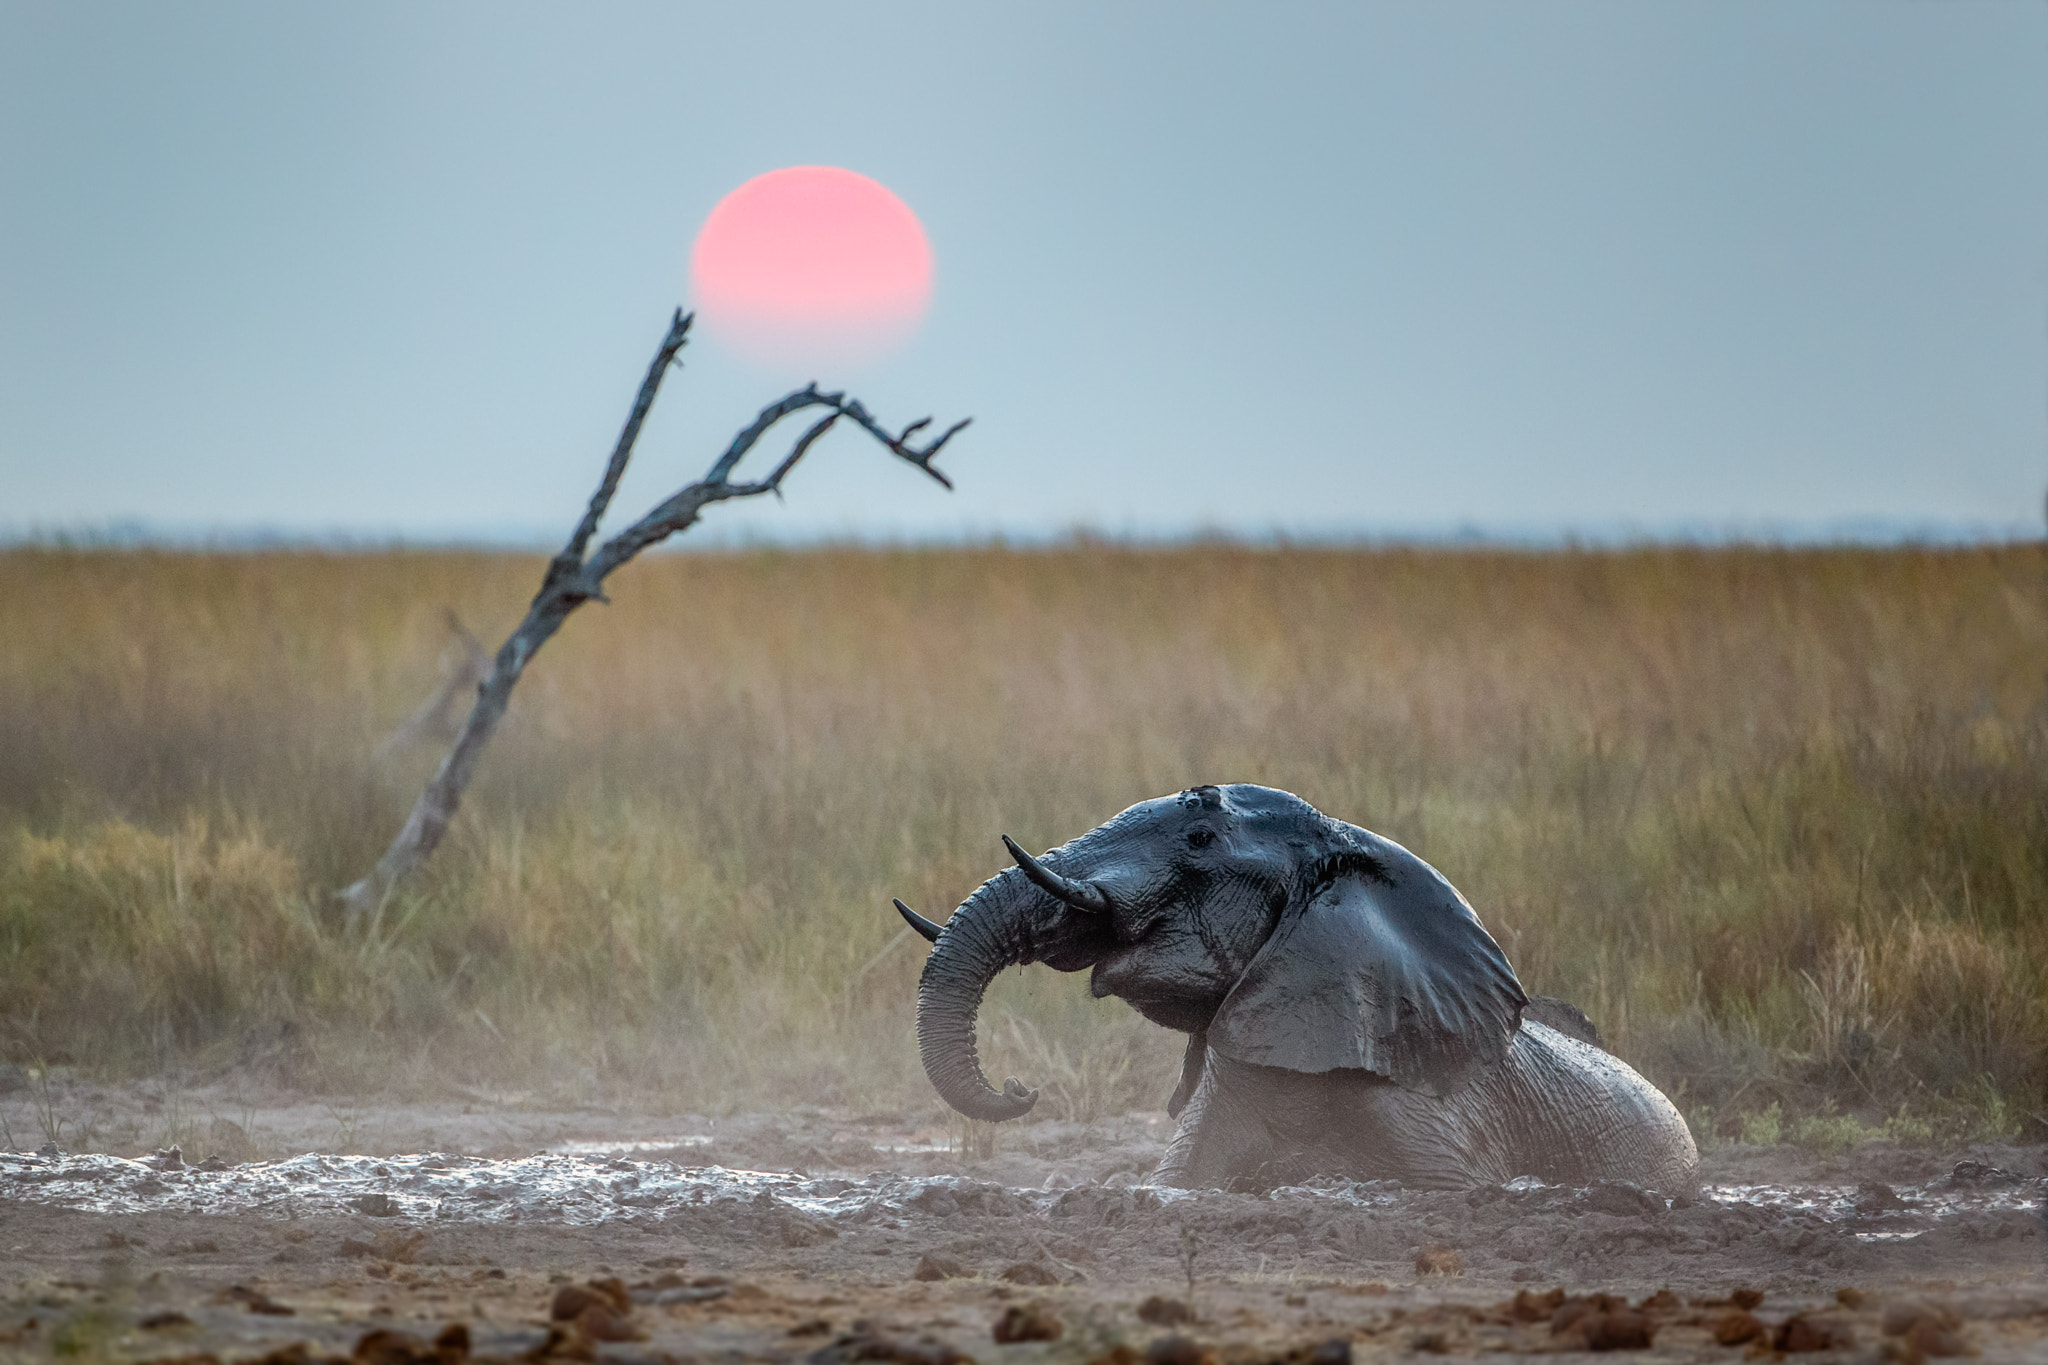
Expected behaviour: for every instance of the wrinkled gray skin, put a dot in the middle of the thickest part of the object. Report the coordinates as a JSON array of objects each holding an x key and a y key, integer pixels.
[{"x": 1347, "y": 1013}]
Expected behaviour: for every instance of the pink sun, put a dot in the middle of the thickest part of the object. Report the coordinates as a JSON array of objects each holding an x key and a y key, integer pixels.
[{"x": 811, "y": 265}]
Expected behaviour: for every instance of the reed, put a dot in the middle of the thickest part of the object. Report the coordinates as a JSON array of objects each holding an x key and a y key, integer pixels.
[{"x": 1778, "y": 819}]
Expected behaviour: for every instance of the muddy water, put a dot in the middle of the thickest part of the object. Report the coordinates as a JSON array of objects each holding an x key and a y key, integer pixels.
[{"x": 1765, "y": 1227}]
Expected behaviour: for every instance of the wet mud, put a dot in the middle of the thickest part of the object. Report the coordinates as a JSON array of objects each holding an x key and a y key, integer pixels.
[{"x": 824, "y": 1237}]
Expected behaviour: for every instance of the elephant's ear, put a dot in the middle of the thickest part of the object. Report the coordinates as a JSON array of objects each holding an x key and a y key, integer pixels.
[{"x": 1383, "y": 968}]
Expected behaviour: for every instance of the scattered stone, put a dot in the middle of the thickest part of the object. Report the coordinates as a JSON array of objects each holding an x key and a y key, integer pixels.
[
  {"x": 1663, "y": 1301},
  {"x": 1161, "y": 1311},
  {"x": 570, "y": 1301},
  {"x": 601, "y": 1322},
  {"x": 1874, "y": 1196},
  {"x": 1178, "y": 1350},
  {"x": 1528, "y": 1307},
  {"x": 1737, "y": 1298},
  {"x": 385, "y": 1346},
  {"x": 1930, "y": 1330},
  {"x": 932, "y": 1266},
  {"x": 1027, "y": 1323},
  {"x": 563, "y": 1344},
  {"x": 215, "y": 1162},
  {"x": 163, "y": 1318},
  {"x": 1030, "y": 1272},
  {"x": 1618, "y": 1328},
  {"x": 868, "y": 1341},
  {"x": 1850, "y": 1297},
  {"x": 811, "y": 1327},
  {"x": 298, "y": 1353},
  {"x": 1737, "y": 1326},
  {"x": 1439, "y": 1260},
  {"x": 1571, "y": 1311},
  {"x": 1801, "y": 1332},
  {"x": 375, "y": 1204},
  {"x": 165, "y": 1159}
]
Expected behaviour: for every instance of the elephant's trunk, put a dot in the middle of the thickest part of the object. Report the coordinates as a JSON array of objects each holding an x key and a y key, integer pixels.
[{"x": 985, "y": 935}]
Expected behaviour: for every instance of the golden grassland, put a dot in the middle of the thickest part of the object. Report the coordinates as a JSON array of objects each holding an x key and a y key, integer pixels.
[{"x": 1778, "y": 819}]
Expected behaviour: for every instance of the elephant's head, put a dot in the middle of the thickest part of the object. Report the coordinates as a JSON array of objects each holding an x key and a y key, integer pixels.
[{"x": 1241, "y": 913}]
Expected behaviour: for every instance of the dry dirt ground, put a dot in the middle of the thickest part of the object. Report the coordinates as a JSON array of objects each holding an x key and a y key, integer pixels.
[{"x": 488, "y": 1227}]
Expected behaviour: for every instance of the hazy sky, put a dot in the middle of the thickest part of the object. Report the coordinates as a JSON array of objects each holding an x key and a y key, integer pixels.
[{"x": 1319, "y": 268}]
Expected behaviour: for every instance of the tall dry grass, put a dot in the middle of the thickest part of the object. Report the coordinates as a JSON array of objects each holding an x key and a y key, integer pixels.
[{"x": 1777, "y": 818}]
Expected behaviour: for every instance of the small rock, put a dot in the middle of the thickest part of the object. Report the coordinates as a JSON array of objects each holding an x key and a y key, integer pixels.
[
  {"x": 1874, "y": 1196},
  {"x": 1928, "y": 1329},
  {"x": 932, "y": 1266},
  {"x": 1030, "y": 1272},
  {"x": 165, "y": 1159},
  {"x": 562, "y": 1344},
  {"x": 375, "y": 1204},
  {"x": 1737, "y": 1326},
  {"x": 1027, "y": 1323},
  {"x": 1800, "y": 1333},
  {"x": 1528, "y": 1307},
  {"x": 212, "y": 1163},
  {"x": 386, "y": 1346},
  {"x": 602, "y": 1322},
  {"x": 168, "y": 1317},
  {"x": 1573, "y": 1310},
  {"x": 1663, "y": 1301},
  {"x": 811, "y": 1327},
  {"x": 1850, "y": 1297},
  {"x": 1618, "y": 1329},
  {"x": 1178, "y": 1350},
  {"x": 867, "y": 1341},
  {"x": 1161, "y": 1311}
]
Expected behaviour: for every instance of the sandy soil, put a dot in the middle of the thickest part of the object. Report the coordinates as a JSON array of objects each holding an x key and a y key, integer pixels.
[{"x": 832, "y": 1236}]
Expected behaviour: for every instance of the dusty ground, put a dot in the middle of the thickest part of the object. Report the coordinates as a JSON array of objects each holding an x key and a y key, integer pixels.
[{"x": 803, "y": 1235}]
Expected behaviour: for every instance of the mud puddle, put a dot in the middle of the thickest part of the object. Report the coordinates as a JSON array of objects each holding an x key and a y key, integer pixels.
[{"x": 590, "y": 1186}]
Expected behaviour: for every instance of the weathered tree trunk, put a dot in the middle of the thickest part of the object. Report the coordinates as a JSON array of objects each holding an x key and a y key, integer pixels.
[{"x": 573, "y": 579}]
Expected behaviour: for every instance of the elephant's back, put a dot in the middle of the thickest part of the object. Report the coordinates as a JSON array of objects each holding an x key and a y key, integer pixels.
[{"x": 1594, "y": 1116}]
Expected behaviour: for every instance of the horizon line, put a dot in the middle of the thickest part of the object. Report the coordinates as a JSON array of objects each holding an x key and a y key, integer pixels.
[{"x": 1870, "y": 532}]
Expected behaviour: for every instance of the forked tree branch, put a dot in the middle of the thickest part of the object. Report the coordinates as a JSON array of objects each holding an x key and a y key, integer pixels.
[{"x": 574, "y": 577}]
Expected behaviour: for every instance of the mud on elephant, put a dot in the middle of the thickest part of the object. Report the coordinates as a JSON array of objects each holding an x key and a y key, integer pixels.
[{"x": 1346, "y": 1012}]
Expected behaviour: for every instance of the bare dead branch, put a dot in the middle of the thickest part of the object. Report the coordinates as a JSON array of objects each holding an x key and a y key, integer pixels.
[
  {"x": 573, "y": 579},
  {"x": 463, "y": 660}
]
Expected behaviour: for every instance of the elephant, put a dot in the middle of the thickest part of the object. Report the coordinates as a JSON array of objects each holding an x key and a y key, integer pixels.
[{"x": 1347, "y": 1013}]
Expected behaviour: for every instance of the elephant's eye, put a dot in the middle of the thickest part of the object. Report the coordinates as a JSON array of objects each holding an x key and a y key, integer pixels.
[{"x": 1200, "y": 838}]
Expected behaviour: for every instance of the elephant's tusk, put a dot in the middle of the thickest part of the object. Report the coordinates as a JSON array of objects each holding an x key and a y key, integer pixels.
[
  {"x": 918, "y": 922},
  {"x": 1080, "y": 895}
]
